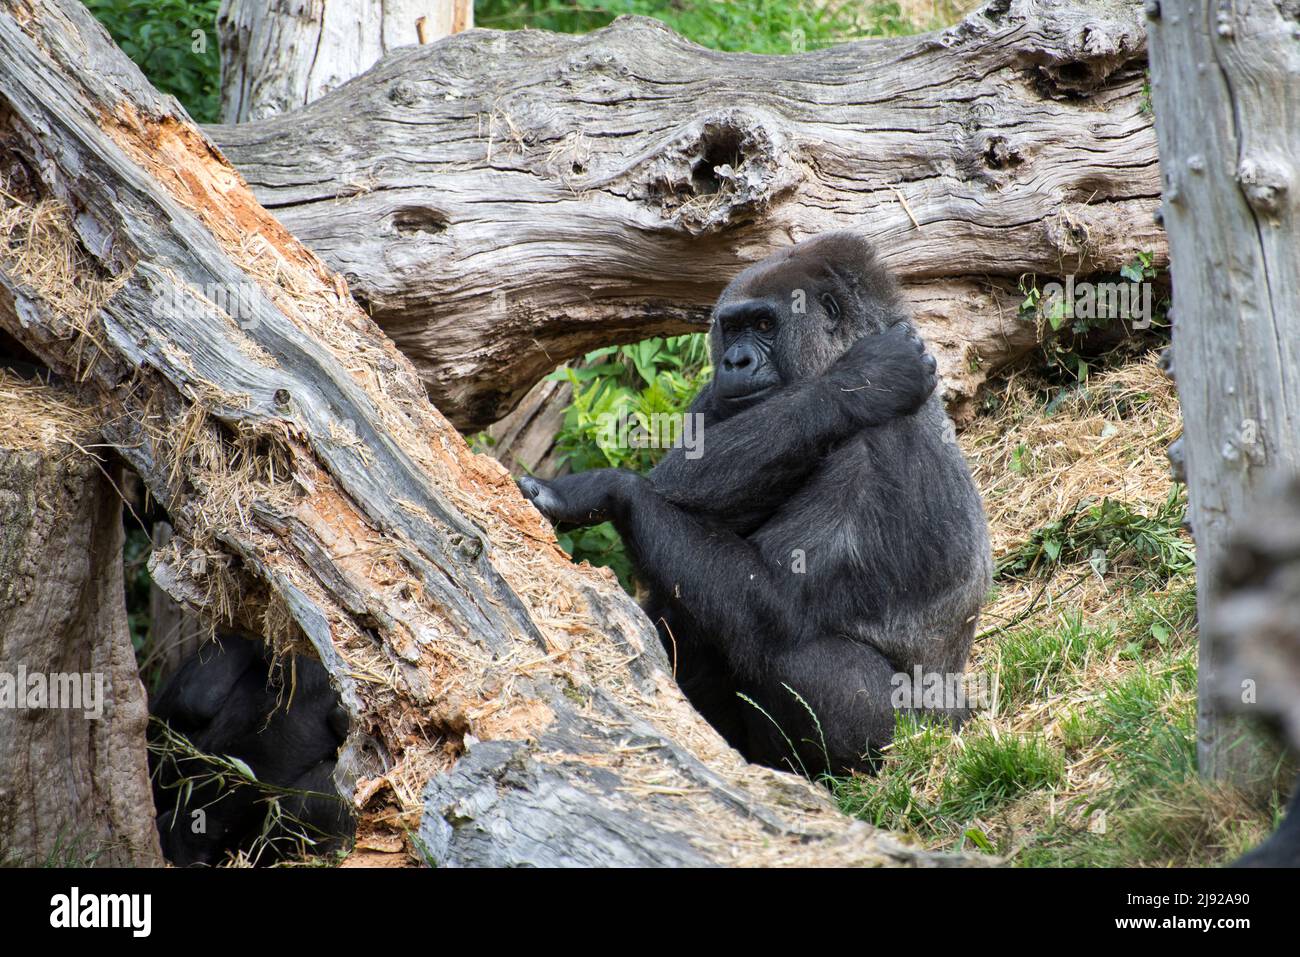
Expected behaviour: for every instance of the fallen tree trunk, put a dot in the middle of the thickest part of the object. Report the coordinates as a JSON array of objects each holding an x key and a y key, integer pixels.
[
  {"x": 507, "y": 706},
  {"x": 503, "y": 202},
  {"x": 275, "y": 57},
  {"x": 74, "y": 782}
]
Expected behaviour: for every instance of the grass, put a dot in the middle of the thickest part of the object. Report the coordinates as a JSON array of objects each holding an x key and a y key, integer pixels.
[
  {"x": 990, "y": 770},
  {"x": 1104, "y": 776},
  {"x": 71, "y": 848},
  {"x": 1089, "y": 757},
  {"x": 1110, "y": 531},
  {"x": 1035, "y": 662}
]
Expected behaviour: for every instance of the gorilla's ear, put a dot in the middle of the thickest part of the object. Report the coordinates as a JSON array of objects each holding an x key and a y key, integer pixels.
[
  {"x": 832, "y": 307},
  {"x": 863, "y": 288}
]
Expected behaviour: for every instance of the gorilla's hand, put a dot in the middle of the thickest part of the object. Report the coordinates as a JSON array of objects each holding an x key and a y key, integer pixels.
[
  {"x": 546, "y": 498},
  {"x": 884, "y": 375},
  {"x": 586, "y": 498}
]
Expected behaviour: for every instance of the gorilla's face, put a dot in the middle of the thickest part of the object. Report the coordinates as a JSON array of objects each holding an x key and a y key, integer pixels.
[
  {"x": 748, "y": 330},
  {"x": 789, "y": 317}
]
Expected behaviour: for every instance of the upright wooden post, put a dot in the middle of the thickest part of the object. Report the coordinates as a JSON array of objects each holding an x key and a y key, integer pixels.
[{"x": 1226, "y": 93}]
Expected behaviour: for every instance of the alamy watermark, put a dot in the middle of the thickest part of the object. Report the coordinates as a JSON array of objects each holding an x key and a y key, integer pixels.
[
  {"x": 921, "y": 690},
  {"x": 74, "y": 691},
  {"x": 133, "y": 912},
  {"x": 660, "y": 430},
  {"x": 1131, "y": 301},
  {"x": 238, "y": 300}
]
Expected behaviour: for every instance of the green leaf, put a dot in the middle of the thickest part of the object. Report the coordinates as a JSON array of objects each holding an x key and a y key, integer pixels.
[
  {"x": 241, "y": 767},
  {"x": 1056, "y": 316}
]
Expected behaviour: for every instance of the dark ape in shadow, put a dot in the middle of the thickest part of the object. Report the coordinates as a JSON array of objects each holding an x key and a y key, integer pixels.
[{"x": 283, "y": 721}]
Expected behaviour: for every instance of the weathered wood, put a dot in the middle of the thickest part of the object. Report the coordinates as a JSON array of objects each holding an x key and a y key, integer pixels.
[
  {"x": 1227, "y": 103},
  {"x": 74, "y": 782},
  {"x": 524, "y": 441},
  {"x": 319, "y": 498},
  {"x": 505, "y": 201},
  {"x": 278, "y": 56}
]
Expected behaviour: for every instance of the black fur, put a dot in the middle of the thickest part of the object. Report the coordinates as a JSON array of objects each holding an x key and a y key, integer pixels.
[
  {"x": 824, "y": 449},
  {"x": 284, "y": 722}
]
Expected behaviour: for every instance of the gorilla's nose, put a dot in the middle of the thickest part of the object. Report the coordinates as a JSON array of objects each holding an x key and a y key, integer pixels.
[
  {"x": 741, "y": 371},
  {"x": 737, "y": 359}
]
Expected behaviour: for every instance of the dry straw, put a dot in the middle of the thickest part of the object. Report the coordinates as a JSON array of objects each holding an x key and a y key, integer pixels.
[
  {"x": 42, "y": 418},
  {"x": 1034, "y": 464}
]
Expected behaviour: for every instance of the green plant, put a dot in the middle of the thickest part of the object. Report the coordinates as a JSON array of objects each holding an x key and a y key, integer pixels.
[
  {"x": 1032, "y": 661},
  {"x": 895, "y": 797},
  {"x": 1079, "y": 729},
  {"x": 983, "y": 772},
  {"x": 1162, "y": 621},
  {"x": 993, "y": 769},
  {"x": 629, "y": 386},
  {"x": 1145, "y": 104},
  {"x": 1140, "y": 268},
  {"x": 756, "y": 26},
  {"x": 1107, "y": 533},
  {"x": 600, "y": 545},
  {"x": 1066, "y": 315},
  {"x": 1022, "y": 459},
  {"x": 621, "y": 393},
  {"x": 174, "y": 43},
  {"x": 1156, "y": 809}
]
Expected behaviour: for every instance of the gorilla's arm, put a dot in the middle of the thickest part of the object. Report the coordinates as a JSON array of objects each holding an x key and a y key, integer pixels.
[
  {"x": 716, "y": 577},
  {"x": 821, "y": 692},
  {"x": 753, "y": 460}
]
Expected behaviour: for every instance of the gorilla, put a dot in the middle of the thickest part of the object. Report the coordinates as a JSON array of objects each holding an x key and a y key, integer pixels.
[
  {"x": 829, "y": 539},
  {"x": 284, "y": 722}
]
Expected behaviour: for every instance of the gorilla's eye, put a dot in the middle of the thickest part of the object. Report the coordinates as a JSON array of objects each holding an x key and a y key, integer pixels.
[
  {"x": 763, "y": 325},
  {"x": 830, "y": 305}
]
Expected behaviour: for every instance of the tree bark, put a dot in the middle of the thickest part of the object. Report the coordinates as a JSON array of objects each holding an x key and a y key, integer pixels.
[
  {"x": 278, "y": 56},
  {"x": 503, "y": 202},
  {"x": 1229, "y": 136},
  {"x": 524, "y": 441},
  {"x": 74, "y": 781},
  {"x": 508, "y": 706}
]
